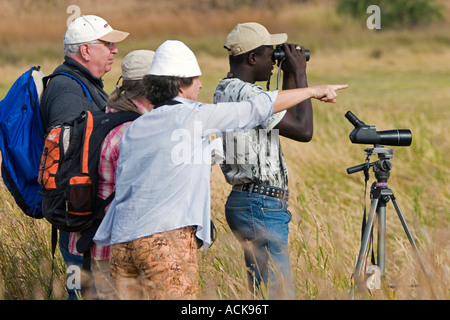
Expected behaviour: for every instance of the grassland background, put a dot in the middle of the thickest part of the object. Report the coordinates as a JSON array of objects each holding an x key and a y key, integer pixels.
[{"x": 398, "y": 79}]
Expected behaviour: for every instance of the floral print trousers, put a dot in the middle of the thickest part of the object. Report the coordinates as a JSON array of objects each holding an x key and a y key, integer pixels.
[{"x": 157, "y": 267}]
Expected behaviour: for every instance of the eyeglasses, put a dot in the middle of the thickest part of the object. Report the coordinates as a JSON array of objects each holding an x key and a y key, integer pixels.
[{"x": 109, "y": 45}]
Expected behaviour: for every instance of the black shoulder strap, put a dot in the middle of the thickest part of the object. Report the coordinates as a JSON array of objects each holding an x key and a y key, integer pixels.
[
  {"x": 53, "y": 246},
  {"x": 85, "y": 241},
  {"x": 166, "y": 103}
]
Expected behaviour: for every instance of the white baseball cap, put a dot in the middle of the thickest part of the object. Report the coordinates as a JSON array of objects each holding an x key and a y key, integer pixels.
[
  {"x": 248, "y": 36},
  {"x": 174, "y": 58},
  {"x": 136, "y": 64},
  {"x": 89, "y": 28}
]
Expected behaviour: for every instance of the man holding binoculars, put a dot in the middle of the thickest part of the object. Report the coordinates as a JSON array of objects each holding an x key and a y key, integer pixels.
[{"x": 256, "y": 209}]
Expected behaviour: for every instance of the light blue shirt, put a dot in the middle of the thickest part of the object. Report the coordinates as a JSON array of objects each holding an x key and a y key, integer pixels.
[{"x": 164, "y": 168}]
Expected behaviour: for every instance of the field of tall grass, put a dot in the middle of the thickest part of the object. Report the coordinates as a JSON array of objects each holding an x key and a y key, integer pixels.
[{"x": 397, "y": 79}]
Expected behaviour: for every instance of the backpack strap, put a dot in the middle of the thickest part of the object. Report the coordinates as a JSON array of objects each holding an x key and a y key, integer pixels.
[
  {"x": 85, "y": 87},
  {"x": 33, "y": 103},
  {"x": 54, "y": 243},
  {"x": 86, "y": 90},
  {"x": 85, "y": 241}
]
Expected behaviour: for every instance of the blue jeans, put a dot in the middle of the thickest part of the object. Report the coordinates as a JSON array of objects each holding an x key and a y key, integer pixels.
[{"x": 260, "y": 223}]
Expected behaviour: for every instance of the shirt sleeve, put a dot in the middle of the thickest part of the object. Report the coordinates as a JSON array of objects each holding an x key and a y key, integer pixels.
[
  {"x": 248, "y": 91},
  {"x": 242, "y": 115}
]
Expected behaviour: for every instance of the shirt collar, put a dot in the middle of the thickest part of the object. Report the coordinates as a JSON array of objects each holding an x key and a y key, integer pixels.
[{"x": 139, "y": 105}]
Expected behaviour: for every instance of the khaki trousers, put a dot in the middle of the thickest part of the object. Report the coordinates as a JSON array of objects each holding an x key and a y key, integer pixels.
[{"x": 160, "y": 266}]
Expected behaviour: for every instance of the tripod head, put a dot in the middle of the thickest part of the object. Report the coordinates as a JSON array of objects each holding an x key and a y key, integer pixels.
[{"x": 381, "y": 167}]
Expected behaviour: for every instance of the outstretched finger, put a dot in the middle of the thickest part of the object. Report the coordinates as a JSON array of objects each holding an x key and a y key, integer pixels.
[{"x": 339, "y": 86}]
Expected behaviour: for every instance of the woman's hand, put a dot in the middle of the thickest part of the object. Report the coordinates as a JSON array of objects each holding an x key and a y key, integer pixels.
[
  {"x": 326, "y": 93},
  {"x": 288, "y": 98}
]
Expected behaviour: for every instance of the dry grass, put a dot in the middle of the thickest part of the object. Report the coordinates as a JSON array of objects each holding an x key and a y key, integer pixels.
[{"x": 398, "y": 79}]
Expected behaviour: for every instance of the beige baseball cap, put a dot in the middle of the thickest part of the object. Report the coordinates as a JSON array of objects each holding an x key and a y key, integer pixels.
[
  {"x": 136, "y": 64},
  {"x": 174, "y": 58},
  {"x": 251, "y": 35},
  {"x": 89, "y": 28}
]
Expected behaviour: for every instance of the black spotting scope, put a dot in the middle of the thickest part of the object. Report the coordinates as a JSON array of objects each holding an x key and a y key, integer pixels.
[{"x": 365, "y": 134}]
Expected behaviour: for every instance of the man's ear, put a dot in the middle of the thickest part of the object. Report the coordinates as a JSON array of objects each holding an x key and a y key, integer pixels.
[
  {"x": 251, "y": 59},
  {"x": 85, "y": 51}
]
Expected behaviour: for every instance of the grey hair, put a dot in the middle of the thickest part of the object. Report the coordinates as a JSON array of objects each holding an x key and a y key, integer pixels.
[{"x": 71, "y": 49}]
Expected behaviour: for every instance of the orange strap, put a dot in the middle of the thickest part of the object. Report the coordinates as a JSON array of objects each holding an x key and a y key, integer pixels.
[{"x": 89, "y": 128}]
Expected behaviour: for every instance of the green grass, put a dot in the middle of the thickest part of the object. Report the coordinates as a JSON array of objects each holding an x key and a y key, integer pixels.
[{"x": 397, "y": 79}]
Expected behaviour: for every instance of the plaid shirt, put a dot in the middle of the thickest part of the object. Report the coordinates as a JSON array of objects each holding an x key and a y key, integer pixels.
[{"x": 106, "y": 180}]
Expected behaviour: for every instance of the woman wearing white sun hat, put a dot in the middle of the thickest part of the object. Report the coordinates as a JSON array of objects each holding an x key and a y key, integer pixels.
[{"x": 162, "y": 202}]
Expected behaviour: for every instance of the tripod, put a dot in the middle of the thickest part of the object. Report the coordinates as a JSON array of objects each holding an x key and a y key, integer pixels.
[{"x": 380, "y": 196}]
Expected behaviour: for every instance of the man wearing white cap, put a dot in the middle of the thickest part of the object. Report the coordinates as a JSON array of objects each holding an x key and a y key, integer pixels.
[
  {"x": 260, "y": 176},
  {"x": 89, "y": 48},
  {"x": 162, "y": 201},
  {"x": 130, "y": 96}
]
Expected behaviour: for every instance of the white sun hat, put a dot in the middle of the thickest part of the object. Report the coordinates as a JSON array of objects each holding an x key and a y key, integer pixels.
[
  {"x": 89, "y": 28},
  {"x": 174, "y": 58}
]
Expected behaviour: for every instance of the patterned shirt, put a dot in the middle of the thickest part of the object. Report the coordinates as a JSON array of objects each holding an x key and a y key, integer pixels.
[
  {"x": 253, "y": 155},
  {"x": 106, "y": 179}
]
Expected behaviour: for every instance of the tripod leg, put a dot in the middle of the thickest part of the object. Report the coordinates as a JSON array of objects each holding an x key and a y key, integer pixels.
[
  {"x": 411, "y": 240},
  {"x": 365, "y": 240},
  {"x": 381, "y": 210},
  {"x": 408, "y": 233}
]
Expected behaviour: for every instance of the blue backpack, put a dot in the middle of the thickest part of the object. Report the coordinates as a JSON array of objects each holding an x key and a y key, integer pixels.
[{"x": 22, "y": 139}]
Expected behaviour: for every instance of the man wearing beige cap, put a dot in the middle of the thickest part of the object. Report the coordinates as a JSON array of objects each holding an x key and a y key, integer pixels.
[
  {"x": 89, "y": 48},
  {"x": 256, "y": 210}
]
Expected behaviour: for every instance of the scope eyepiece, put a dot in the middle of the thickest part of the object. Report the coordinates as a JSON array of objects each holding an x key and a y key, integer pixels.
[{"x": 354, "y": 120}]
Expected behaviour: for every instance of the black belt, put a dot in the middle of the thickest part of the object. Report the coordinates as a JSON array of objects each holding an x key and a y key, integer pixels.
[{"x": 263, "y": 189}]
